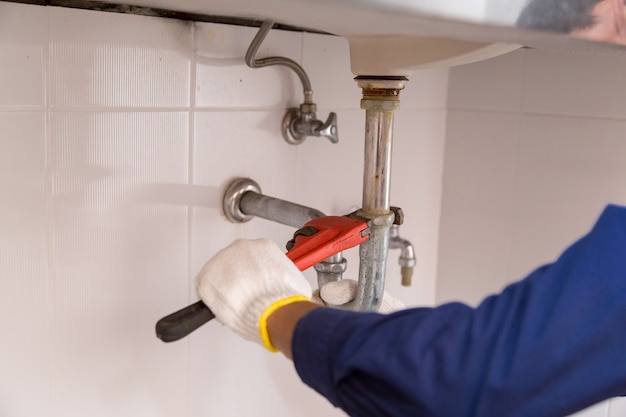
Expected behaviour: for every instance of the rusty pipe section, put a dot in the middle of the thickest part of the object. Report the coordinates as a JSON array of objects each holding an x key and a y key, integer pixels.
[{"x": 381, "y": 97}]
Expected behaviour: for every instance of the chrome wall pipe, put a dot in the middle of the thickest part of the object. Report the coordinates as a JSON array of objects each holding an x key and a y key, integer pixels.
[{"x": 243, "y": 201}]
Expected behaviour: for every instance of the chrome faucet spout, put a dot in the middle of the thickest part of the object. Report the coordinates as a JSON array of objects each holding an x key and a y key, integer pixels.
[{"x": 407, "y": 259}]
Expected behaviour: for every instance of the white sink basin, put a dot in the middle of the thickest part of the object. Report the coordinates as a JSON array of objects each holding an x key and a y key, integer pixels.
[{"x": 395, "y": 37}]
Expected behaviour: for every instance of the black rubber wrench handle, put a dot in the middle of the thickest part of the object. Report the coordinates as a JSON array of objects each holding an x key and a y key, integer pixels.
[{"x": 179, "y": 324}]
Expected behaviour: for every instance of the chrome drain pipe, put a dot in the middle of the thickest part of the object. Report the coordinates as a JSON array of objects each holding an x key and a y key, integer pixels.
[{"x": 381, "y": 97}]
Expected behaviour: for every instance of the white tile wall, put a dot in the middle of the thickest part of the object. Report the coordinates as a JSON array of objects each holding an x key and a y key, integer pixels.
[
  {"x": 106, "y": 239},
  {"x": 534, "y": 151},
  {"x": 478, "y": 208},
  {"x": 119, "y": 135},
  {"x": 587, "y": 85},
  {"x": 112, "y": 60},
  {"x": 24, "y": 267},
  {"x": 475, "y": 86},
  {"x": 23, "y": 56}
]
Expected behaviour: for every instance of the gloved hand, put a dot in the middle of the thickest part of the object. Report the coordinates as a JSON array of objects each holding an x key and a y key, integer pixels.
[
  {"x": 246, "y": 282},
  {"x": 337, "y": 293}
]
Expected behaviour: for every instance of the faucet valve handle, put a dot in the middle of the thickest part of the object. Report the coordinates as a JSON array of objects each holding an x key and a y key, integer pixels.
[
  {"x": 300, "y": 123},
  {"x": 329, "y": 128}
]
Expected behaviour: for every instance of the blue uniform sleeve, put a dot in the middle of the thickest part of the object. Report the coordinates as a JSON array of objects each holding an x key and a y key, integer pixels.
[{"x": 547, "y": 346}]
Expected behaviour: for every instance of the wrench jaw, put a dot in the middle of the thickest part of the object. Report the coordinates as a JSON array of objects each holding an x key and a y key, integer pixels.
[{"x": 324, "y": 237}]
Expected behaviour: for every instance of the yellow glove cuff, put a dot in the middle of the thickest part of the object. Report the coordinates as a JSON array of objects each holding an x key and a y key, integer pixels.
[{"x": 264, "y": 332}]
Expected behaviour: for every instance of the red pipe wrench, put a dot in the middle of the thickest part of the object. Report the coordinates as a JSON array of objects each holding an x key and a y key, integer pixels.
[{"x": 317, "y": 240}]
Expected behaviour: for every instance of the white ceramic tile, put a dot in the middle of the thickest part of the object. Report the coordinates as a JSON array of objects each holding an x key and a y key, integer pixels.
[
  {"x": 223, "y": 80},
  {"x": 326, "y": 60},
  {"x": 477, "y": 207},
  {"x": 617, "y": 407},
  {"x": 569, "y": 169},
  {"x": 116, "y": 60},
  {"x": 221, "y": 385},
  {"x": 236, "y": 144},
  {"x": 426, "y": 89},
  {"x": 24, "y": 275},
  {"x": 121, "y": 259},
  {"x": 23, "y": 55},
  {"x": 494, "y": 84},
  {"x": 416, "y": 187},
  {"x": 575, "y": 84}
]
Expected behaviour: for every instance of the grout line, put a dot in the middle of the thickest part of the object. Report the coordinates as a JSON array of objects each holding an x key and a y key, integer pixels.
[
  {"x": 189, "y": 108},
  {"x": 441, "y": 178},
  {"x": 190, "y": 180},
  {"x": 61, "y": 109},
  {"x": 522, "y": 100},
  {"x": 25, "y": 109},
  {"x": 514, "y": 215},
  {"x": 52, "y": 270},
  {"x": 537, "y": 114}
]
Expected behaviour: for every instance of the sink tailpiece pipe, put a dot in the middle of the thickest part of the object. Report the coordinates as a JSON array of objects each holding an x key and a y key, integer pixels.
[{"x": 381, "y": 97}]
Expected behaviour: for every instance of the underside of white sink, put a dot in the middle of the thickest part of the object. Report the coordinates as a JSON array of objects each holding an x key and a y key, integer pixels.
[
  {"x": 395, "y": 37},
  {"x": 401, "y": 55}
]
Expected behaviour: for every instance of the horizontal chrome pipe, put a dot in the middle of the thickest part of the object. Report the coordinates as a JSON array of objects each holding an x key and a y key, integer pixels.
[
  {"x": 243, "y": 200},
  {"x": 277, "y": 210}
]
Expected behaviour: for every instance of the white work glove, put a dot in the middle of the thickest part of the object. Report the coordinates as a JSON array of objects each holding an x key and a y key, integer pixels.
[
  {"x": 338, "y": 293},
  {"x": 246, "y": 282}
]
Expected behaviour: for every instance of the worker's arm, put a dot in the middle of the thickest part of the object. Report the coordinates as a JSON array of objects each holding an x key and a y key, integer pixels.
[
  {"x": 282, "y": 322},
  {"x": 547, "y": 346}
]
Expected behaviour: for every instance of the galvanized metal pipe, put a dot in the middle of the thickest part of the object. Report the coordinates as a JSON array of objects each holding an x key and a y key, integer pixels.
[
  {"x": 243, "y": 201},
  {"x": 380, "y": 100},
  {"x": 277, "y": 210}
]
